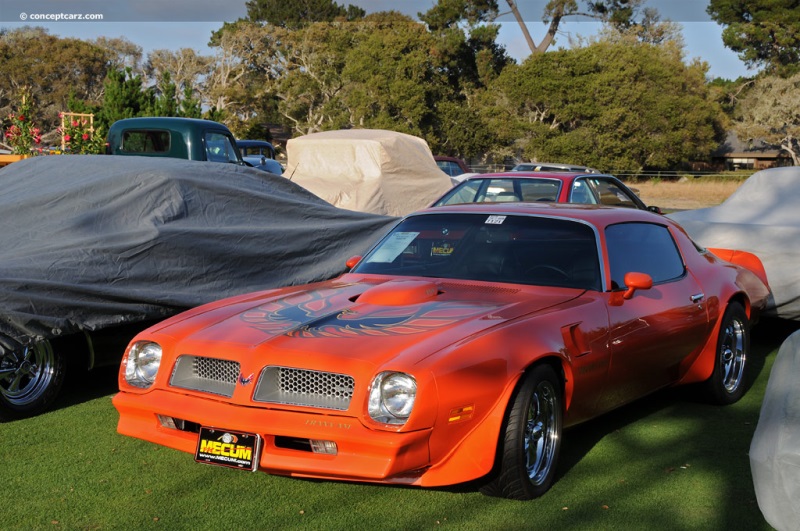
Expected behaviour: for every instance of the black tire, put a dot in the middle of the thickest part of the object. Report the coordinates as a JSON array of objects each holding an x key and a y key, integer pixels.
[
  {"x": 30, "y": 379},
  {"x": 531, "y": 438},
  {"x": 728, "y": 380}
]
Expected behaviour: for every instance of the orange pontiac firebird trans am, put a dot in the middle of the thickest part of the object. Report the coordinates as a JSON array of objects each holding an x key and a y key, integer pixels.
[{"x": 458, "y": 348}]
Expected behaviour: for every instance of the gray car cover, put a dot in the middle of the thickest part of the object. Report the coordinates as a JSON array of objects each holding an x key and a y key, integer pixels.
[
  {"x": 90, "y": 242},
  {"x": 761, "y": 217},
  {"x": 775, "y": 449}
]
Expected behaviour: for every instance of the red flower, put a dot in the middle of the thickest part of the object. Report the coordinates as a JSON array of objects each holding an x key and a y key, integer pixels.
[
  {"x": 85, "y": 136},
  {"x": 67, "y": 138},
  {"x": 74, "y": 123},
  {"x": 21, "y": 118}
]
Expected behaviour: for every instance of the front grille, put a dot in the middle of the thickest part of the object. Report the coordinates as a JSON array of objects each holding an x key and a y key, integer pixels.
[
  {"x": 301, "y": 387},
  {"x": 209, "y": 375}
]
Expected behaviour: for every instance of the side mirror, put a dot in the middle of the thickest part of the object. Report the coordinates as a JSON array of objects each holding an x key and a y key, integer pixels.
[
  {"x": 635, "y": 281},
  {"x": 655, "y": 209},
  {"x": 352, "y": 262}
]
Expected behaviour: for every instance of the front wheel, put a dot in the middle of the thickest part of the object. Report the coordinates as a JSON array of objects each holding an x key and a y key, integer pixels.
[
  {"x": 30, "y": 379},
  {"x": 727, "y": 382},
  {"x": 531, "y": 441}
]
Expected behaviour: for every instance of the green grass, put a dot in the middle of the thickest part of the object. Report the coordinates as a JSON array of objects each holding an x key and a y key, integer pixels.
[{"x": 666, "y": 462}]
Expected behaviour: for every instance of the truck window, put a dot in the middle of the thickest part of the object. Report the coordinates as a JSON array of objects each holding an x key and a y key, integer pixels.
[
  {"x": 220, "y": 148},
  {"x": 146, "y": 141}
]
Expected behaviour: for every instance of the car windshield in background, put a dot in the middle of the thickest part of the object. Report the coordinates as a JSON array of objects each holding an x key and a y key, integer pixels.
[
  {"x": 538, "y": 166},
  {"x": 490, "y": 247},
  {"x": 502, "y": 189}
]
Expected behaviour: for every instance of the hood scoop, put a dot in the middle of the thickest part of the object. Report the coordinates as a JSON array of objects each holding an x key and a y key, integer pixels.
[{"x": 400, "y": 293}]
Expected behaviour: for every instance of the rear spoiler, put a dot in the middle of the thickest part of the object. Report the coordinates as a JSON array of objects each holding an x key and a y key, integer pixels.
[{"x": 744, "y": 259}]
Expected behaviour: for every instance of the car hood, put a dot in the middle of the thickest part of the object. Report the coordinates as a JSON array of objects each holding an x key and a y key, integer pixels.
[{"x": 370, "y": 320}]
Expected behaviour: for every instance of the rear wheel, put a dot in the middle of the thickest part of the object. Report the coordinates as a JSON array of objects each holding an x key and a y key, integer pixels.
[
  {"x": 531, "y": 440},
  {"x": 30, "y": 379},
  {"x": 727, "y": 383}
]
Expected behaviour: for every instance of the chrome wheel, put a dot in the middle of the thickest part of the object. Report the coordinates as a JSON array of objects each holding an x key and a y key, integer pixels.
[
  {"x": 531, "y": 437},
  {"x": 26, "y": 374},
  {"x": 542, "y": 432},
  {"x": 729, "y": 376},
  {"x": 732, "y": 356}
]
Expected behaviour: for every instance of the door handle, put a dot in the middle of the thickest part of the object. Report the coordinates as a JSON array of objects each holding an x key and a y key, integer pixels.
[{"x": 697, "y": 298}]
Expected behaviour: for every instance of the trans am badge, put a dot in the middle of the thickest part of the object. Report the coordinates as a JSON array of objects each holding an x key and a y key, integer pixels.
[{"x": 245, "y": 380}]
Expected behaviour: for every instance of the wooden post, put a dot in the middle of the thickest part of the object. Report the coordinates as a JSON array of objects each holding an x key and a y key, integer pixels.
[{"x": 64, "y": 115}]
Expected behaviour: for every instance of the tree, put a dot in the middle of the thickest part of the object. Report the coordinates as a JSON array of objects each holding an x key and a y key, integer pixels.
[
  {"x": 125, "y": 97},
  {"x": 765, "y": 33},
  {"x": 53, "y": 69},
  {"x": 165, "y": 100},
  {"x": 770, "y": 113},
  {"x": 185, "y": 66},
  {"x": 615, "y": 105},
  {"x": 618, "y": 13},
  {"x": 383, "y": 71},
  {"x": 300, "y": 13},
  {"x": 122, "y": 52},
  {"x": 190, "y": 105}
]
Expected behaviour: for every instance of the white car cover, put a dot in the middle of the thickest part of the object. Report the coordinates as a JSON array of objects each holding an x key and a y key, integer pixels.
[
  {"x": 761, "y": 217},
  {"x": 775, "y": 449},
  {"x": 367, "y": 170}
]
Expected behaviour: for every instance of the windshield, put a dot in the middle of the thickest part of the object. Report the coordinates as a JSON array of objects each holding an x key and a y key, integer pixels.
[
  {"x": 501, "y": 189},
  {"x": 493, "y": 248}
]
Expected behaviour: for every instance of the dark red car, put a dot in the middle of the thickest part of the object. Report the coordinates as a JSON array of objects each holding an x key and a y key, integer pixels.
[{"x": 581, "y": 188}]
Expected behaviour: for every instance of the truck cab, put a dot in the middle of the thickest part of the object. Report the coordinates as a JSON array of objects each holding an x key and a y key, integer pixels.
[{"x": 172, "y": 137}]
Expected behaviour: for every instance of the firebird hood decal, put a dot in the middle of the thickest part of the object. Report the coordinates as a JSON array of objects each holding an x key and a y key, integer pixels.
[{"x": 312, "y": 315}]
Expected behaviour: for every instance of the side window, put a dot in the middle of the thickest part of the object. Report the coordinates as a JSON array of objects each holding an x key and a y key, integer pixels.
[
  {"x": 581, "y": 193},
  {"x": 611, "y": 194},
  {"x": 220, "y": 148},
  {"x": 644, "y": 248}
]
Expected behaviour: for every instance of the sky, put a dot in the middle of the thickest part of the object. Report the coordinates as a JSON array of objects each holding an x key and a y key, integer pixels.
[{"x": 175, "y": 24}]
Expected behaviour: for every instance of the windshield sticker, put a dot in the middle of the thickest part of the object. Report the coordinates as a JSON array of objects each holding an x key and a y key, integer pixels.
[
  {"x": 441, "y": 249},
  {"x": 392, "y": 247},
  {"x": 495, "y": 220}
]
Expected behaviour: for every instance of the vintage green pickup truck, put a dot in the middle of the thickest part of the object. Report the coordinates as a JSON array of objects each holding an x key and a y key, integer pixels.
[{"x": 181, "y": 138}]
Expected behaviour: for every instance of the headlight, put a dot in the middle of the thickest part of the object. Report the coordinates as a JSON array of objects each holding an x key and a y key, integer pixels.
[
  {"x": 141, "y": 366},
  {"x": 391, "y": 397}
]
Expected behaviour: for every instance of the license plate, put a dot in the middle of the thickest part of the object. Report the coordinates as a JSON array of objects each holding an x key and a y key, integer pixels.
[{"x": 233, "y": 449}]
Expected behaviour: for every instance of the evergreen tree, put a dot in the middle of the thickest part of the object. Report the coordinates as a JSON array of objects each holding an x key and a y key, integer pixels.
[{"x": 763, "y": 32}]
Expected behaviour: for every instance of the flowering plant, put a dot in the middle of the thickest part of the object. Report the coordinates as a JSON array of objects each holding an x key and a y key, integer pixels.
[
  {"x": 79, "y": 137},
  {"x": 22, "y": 135}
]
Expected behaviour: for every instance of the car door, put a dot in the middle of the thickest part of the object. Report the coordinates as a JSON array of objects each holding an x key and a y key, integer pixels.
[{"x": 654, "y": 330}]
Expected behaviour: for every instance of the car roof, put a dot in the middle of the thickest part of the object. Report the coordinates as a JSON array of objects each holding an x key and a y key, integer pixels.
[
  {"x": 598, "y": 215},
  {"x": 252, "y": 143},
  {"x": 559, "y": 175},
  {"x": 166, "y": 122},
  {"x": 555, "y": 166}
]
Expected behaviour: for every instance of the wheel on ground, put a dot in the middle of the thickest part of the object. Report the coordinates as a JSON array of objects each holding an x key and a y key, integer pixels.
[
  {"x": 30, "y": 379},
  {"x": 531, "y": 441},
  {"x": 728, "y": 380}
]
